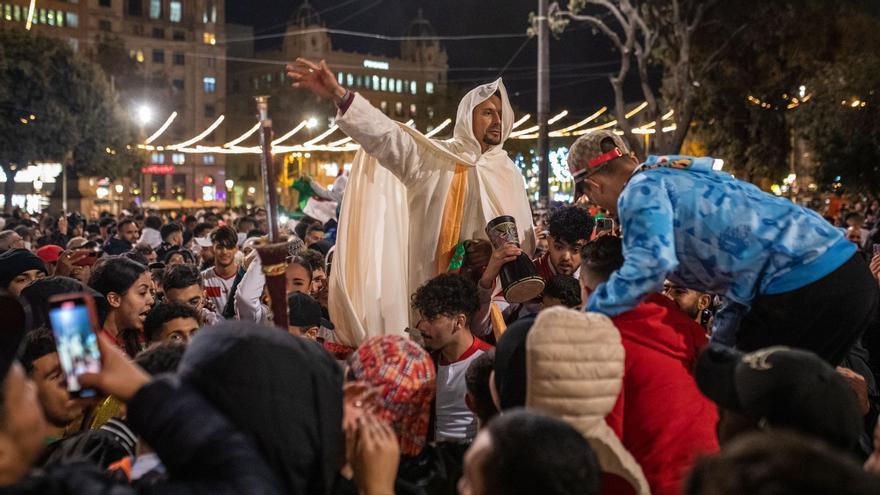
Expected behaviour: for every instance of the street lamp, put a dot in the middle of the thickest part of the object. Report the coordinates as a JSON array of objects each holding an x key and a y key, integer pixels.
[
  {"x": 312, "y": 122},
  {"x": 144, "y": 114},
  {"x": 229, "y": 184},
  {"x": 38, "y": 185}
]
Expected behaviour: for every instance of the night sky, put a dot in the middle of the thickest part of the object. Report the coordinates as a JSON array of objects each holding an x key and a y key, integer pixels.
[{"x": 580, "y": 61}]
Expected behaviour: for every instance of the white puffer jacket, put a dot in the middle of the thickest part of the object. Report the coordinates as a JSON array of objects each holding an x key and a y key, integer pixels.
[{"x": 574, "y": 366}]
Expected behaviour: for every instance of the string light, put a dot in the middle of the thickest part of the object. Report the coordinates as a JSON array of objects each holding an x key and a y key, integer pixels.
[
  {"x": 201, "y": 136},
  {"x": 565, "y": 130},
  {"x": 521, "y": 121},
  {"x": 244, "y": 136},
  {"x": 293, "y": 131},
  {"x": 162, "y": 129},
  {"x": 324, "y": 134},
  {"x": 440, "y": 127}
]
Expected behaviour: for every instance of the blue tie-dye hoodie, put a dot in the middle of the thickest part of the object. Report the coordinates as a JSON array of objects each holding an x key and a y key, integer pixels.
[{"x": 705, "y": 230}]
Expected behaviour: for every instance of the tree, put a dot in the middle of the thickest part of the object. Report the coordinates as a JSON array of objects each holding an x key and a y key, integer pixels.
[
  {"x": 746, "y": 104},
  {"x": 58, "y": 106},
  {"x": 650, "y": 34},
  {"x": 842, "y": 120}
]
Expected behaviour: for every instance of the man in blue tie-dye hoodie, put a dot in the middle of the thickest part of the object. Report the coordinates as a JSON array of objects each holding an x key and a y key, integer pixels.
[{"x": 785, "y": 274}]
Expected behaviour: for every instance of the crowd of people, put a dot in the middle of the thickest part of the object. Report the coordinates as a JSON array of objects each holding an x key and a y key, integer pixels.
[{"x": 671, "y": 351}]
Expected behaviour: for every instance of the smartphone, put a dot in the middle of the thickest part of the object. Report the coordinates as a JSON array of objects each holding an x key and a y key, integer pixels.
[
  {"x": 604, "y": 224},
  {"x": 74, "y": 322}
]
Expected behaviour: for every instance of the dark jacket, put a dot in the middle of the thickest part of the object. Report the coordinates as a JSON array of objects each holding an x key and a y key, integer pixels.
[
  {"x": 202, "y": 451},
  {"x": 115, "y": 246}
]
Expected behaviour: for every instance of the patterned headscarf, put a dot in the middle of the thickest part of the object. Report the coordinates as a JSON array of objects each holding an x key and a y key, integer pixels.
[{"x": 404, "y": 374}]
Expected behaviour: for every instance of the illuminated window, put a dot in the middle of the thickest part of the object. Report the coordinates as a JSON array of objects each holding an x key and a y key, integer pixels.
[
  {"x": 178, "y": 158},
  {"x": 155, "y": 9},
  {"x": 157, "y": 158},
  {"x": 429, "y": 87},
  {"x": 376, "y": 83},
  {"x": 175, "y": 11},
  {"x": 412, "y": 110},
  {"x": 43, "y": 17},
  {"x": 384, "y": 107},
  {"x": 72, "y": 19},
  {"x": 7, "y": 12},
  {"x": 398, "y": 109},
  {"x": 368, "y": 82},
  {"x": 50, "y": 17},
  {"x": 413, "y": 87},
  {"x": 339, "y": 77},
  {"x": 209, "y": 160},
  {"x": 384, "y": 84},
  {"x": 399, "y": 85},
  {"x": 349, "y": 78},
  {"x": 210, "y": 84},
  {"x": 139, "y": 56},
  {"x": 16, "y": 12},
  {"x": 209, "y": 38}
]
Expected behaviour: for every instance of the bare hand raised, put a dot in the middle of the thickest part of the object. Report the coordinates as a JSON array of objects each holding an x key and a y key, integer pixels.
[{"x": 317, "y": 78}]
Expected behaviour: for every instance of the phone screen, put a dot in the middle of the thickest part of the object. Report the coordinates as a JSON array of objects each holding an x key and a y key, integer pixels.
[
  {"x": 76, "y": 341},
  {"x": 604, "y": 224}
]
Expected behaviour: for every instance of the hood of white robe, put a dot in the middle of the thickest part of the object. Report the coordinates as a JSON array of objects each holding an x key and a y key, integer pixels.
[{"x": 463, "y": 142}]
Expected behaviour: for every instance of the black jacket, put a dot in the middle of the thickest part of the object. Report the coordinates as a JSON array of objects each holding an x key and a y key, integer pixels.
[
  {"x": 115, "y": 246},
  {"x": 203, "y": 452}
]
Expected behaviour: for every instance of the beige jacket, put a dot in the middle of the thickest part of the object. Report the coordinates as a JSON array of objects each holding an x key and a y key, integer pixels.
[{"x": 574, "y": 364}]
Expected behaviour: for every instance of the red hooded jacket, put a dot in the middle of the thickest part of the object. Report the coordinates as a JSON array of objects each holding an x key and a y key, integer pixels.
[{"x": 661, "y": 417}]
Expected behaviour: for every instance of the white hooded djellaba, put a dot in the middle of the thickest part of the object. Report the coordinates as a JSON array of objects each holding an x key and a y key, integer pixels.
[{"x": 409, "y": 201}]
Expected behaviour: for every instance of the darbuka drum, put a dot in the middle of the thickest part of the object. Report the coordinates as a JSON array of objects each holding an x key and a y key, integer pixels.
[{"x": 519, "y": 280}]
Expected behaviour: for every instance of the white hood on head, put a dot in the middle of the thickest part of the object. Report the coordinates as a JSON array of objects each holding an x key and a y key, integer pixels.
[{"x": 463, "y": 142}]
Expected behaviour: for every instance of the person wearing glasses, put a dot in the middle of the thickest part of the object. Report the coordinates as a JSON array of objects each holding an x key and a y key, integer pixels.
[{"x": 786, "y": 276}]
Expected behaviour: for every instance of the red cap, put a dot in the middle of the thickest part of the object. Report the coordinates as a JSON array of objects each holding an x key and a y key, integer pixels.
[{"x": 50, "y": 253}]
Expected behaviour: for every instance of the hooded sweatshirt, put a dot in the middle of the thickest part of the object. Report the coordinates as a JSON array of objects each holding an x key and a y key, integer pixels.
[
  {"x": 413, "y": 199},
  {"x": 660, "y": 414},
  {"x": 283, "y": 392}
]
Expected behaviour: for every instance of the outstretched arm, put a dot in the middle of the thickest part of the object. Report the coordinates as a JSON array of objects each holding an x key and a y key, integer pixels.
[{"x": 377, "y": 134}]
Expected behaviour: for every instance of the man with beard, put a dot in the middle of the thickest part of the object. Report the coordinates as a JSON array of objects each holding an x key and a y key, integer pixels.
[
  {"x": 416, "y": 197},
  {"x": 126, "y": 235}
]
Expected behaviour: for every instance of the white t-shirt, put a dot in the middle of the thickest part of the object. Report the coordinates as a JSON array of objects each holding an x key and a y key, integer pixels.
[
  {"x": 454, "y": 421},
  {"x": 217, "y": 288}
]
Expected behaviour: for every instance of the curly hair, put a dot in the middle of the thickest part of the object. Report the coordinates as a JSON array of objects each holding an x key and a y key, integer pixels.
[
  {"x": 565, "y": 288},
  {"x": 447, "y": 294},
  {"x": 570, "y": 224}
]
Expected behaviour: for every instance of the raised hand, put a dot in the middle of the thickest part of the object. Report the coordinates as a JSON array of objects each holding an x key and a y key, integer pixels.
[
  {"x": 376, "y": 457},
  {"x": 317, "y": 78}
]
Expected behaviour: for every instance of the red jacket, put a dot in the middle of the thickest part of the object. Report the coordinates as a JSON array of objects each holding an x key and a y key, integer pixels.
[{"x": 661, "y": 417}]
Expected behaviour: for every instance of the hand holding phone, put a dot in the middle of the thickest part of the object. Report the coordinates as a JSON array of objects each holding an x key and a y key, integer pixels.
[{"x": 74, "y": 323}]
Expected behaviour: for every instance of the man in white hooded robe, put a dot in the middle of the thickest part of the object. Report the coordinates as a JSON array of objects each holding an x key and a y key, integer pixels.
[{"x": 411, "y": 200}]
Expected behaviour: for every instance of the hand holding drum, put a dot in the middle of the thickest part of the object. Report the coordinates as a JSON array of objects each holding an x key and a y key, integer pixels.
[{"x": 519, "y": 279}]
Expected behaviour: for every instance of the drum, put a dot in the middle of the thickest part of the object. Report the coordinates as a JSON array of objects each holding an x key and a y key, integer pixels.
[{"x": 519, "y": 279}]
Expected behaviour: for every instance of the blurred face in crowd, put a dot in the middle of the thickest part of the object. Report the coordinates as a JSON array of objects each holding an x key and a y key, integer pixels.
[
  {"x": 473, "y": 480},
  {"x": 224, "y": 256},
  {"x": 81, "y": 273},
  {"x": 854, "y": 235},
  {"x": 441, "y": 331},
  {"x": 299, "y": 279},
  {"x": 313, "y": 237},
  {"x": 192, "y": 296},
  {"x": 319, "y": 282},
  {"x": 176, "y": 238},
  {"x": 11, "y": 241},
  {"x": 59, "y": 409},
  {"x": 690, "y": 301},
  {"x": 151, "y": 256},
  {"x": 128, "y": 232},
  {"x": 565, "y": 257},
  {"x": 24, "y": 279},
  {"x": 23, "y": 427},
  {"x": 179, "y": 330},
  {"x": 487, "y": 123},
  {"x": 130, "y": 309},
  {"x": 175, "y": 259}
]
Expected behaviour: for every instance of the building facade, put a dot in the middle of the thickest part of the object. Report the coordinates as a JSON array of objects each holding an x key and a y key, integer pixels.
[
  {"x": 410, "y": 86},
  {"x": 176, "y": 46}
]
